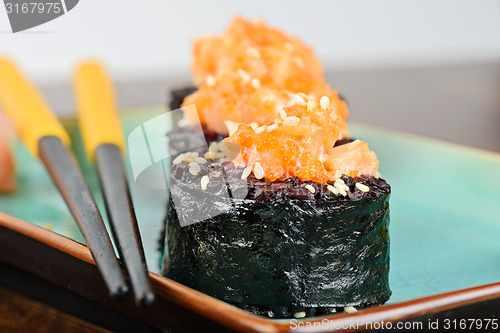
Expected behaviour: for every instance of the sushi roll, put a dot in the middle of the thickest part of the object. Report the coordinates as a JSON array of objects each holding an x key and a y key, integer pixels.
[{"x": 287, "y": 223}]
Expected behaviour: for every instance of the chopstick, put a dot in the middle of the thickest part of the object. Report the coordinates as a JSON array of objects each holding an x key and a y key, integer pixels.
[
  {"x": 104, "y": 143},
  {"x": 45, "y": 137}
]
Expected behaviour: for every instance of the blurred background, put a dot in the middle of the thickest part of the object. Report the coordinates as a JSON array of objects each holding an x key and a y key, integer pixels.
[{"x": 430, "y": 67}]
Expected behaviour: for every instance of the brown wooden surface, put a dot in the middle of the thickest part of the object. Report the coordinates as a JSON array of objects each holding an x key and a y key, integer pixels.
[{"x": 22, "y": 314}]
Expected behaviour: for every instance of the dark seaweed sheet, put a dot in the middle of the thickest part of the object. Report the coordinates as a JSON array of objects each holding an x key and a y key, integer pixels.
[{"x": 283, "y": 255}]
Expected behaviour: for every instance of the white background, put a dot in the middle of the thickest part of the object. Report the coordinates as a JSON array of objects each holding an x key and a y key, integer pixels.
[{"x": 151, "y": 38}]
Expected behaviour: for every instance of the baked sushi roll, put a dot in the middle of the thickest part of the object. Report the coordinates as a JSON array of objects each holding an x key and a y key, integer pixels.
[{"x": 291, "y": 226}]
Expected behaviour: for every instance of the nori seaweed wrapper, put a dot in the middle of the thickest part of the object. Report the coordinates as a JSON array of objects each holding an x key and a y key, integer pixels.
[{"x": 276, "y": 249}]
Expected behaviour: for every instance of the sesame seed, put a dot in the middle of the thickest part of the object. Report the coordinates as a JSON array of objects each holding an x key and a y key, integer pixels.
[
  {"x": 340, "y": 184},
  {"x": 350, "y": 309},
  {"x": 178, "y": 159},
  {"x": 200, "y": 160},
  {"x": 244, "y": 75},
  {"x": 332, "y": 189},
  {"x": 246, "y": 173},
  {"x": 291, "y": 121},
  {"x": 210, "y": 80},
  {"x": 254, "y": 126},
  {"x": 300, "y": 314},
  {"x": 213, "y": 147},
  {"x": 195, "y": 154},
  {"x": 258, "y": 171},
  {"x": 337, "y": 175},
  {"x": 278, "y": 121},
  {"x": 272, "y": 127},
  {"x": 362, "y": 187},
  {"x": 209, "y": 155},
  {"x": 253, "y": 52},
  {"x": 289, "y": 103},
  {"x": 188, "y": 157},
  {"x": 342, "y": 191},
  {"x": 256, "y": 83},
  {"x": 204, "y": 182},
  {"x": 324, "y": 102},
  {"x": 299, "y": 100},
  {"x": 224, "y": 159},
  {"x": 310, "y": 188},
  {"x": 377, "y": 175},
  {"x": 303, "y": 95},
  {"x": 260, "y": 129},
  {"x": 311, "y": 105},
  {"x": 219, "y": 155},
  {"x": 283, "y": 114},
  {"x": 194, "y": 168}
]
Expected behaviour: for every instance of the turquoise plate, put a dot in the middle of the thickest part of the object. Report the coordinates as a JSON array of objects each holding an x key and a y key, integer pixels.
[{"x": 444, "y": 228}]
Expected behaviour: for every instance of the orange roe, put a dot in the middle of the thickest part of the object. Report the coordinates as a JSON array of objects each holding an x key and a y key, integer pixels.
[
  {"x": 298, "y": 142},
  {"x": 247, "y": 74}
]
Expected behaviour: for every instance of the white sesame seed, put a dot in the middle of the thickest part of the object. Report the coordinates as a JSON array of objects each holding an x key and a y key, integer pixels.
[
  {"x": 209, "y": 155},
  {"x": 324, "y": 102},
  {"x": 282, "y": 114},
  {"x": 311, "y": 105},
  {"x": 244, "y": 75},
  {"x": 350, "y": 309},
  {"x": 340, "y": 184},
  {"x": 210, "y": 80},
  {"x": 254, "y": 126},
  {"x": 260, "y": 129},
  {"x": 377, "y": 175},
  {"x": 194, "y": 168},
  {"x": 253, "y": 52},
  {"x": 342, "y": 191},
  {"x": 362, "y": 187},
  {"x": 310, "y": 188},
  {"x": 278, "y": 121},
  {"x": 200, "y": 160},
  {"x": 299, "y": 100},
  {"x": 306, "y": 97},
  {"x": 332, "y": 189},
  {"x": 289, "y": 103},
  {"x": 291, "y": 121},
  {"x": 224, "y": 159},
  {"x": 213, "y": 147},
  {"x": 337, "y": 174},
  {"x": 246, "y": 173},
  {"x": 258, "y": 171},
  {"x": 272, "y": 127},
  {"x": 195, "y": 154},
  {"x": 219, "y": 155},
  {"x": 178, "y": 159},
  {"x": 188, "y": 157},
  {"x": 256, "y": 83},
  {"x": 300, "y": 314},
  {"x": 204, "y": 182}
]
